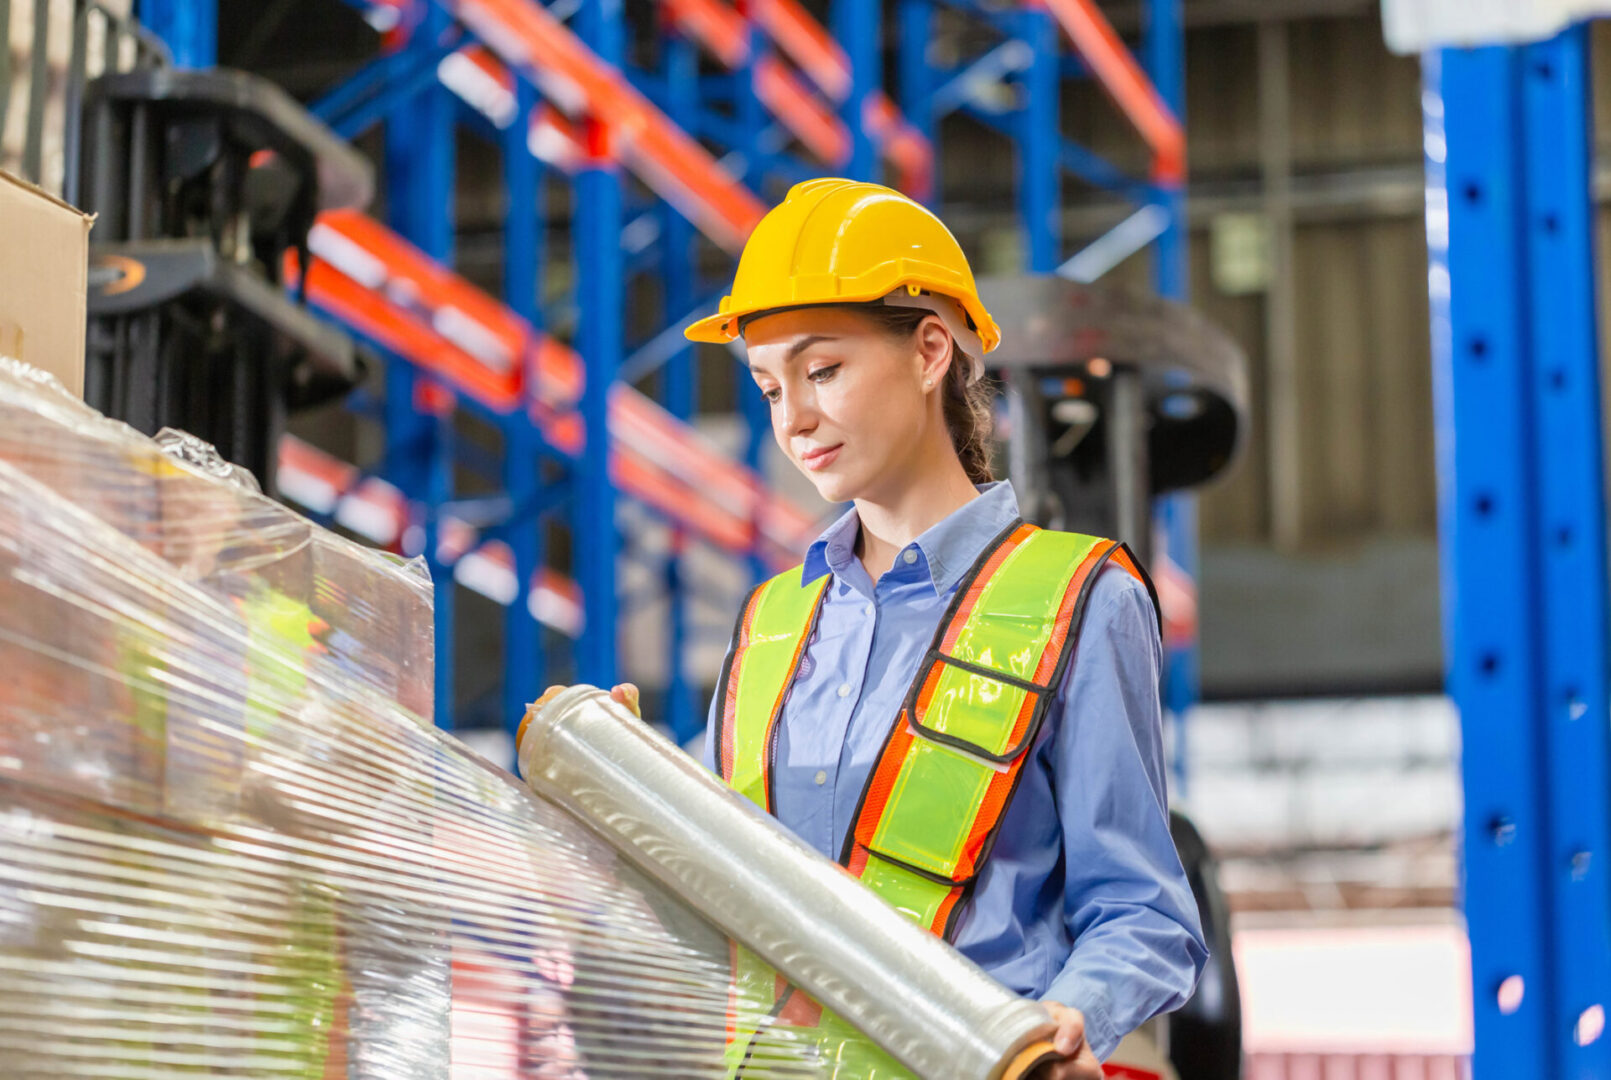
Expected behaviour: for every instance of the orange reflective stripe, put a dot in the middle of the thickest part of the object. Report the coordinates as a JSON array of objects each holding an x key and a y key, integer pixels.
[
  {"x": 942, "y": 920},
  {"x": 881, "y": 783},
  {"x": 777, "y": 712}
]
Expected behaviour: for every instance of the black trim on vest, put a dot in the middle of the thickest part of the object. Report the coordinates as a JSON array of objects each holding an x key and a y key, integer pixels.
[
  {"x": 973, "y": 749},
  {"x": 934, "y": 646},
  {"x": 727, "y": 673},
  {"x": 1152, "y": 590},
  {"x": 929, "y": 875},
  {"x": 764, "y": 1026},
  {"x": 969, "y": 666}
]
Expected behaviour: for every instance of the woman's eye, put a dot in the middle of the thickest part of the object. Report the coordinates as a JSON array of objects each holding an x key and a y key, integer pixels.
[
  {"x": 772, "y": 395},
  {"x": 825, "y": 373}
]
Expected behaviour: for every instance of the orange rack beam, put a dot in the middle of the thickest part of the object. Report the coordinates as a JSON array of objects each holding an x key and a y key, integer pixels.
[
  {"x": 526, "y": 37},
  {"x": 724, "y": 32},
  {"x": 1116, "y": 68},
  {"x": 383, "y": 286},
  {"x": 797, "y": 32}
]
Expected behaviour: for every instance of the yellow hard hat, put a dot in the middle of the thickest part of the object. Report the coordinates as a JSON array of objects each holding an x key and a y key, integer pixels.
[{"x": 835, "y": 241}]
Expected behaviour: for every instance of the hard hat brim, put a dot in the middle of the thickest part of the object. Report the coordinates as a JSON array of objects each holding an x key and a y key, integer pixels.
[
  {"x": 722, "y": 328},
  {"x": 716, "y": 329}
]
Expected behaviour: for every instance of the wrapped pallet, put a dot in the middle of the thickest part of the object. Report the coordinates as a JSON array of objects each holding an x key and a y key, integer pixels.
[{"x": 232, "y": 845}]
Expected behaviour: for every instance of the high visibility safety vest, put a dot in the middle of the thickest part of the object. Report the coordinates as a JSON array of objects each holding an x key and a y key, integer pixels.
[{"x": 934, "y": 801}]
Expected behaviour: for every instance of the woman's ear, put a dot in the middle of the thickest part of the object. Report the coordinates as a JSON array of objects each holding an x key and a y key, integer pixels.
[{"x": 933, "y": 351}]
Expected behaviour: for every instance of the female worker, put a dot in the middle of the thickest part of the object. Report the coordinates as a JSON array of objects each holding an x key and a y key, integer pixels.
[{"x": 961, "y": 709}]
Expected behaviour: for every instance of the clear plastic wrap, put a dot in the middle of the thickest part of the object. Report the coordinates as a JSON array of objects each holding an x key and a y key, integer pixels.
[{"x": 230, "y": 845}]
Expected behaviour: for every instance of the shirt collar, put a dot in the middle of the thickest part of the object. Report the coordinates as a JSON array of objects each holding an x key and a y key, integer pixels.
[{"x": 950, "y": 547}]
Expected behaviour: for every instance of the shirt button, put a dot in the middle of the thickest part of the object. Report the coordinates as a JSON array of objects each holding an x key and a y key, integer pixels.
[
  {"x": 868, "y": 611},
  {"x": 821, "y": 777},
  {"x": 909, "y": 556},
  {"x": 844, "y": 689}
]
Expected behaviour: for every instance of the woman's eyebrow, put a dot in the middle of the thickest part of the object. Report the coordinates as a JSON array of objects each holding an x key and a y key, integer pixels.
[
  {"x": 805, "y": 343},
  {"x": 796, "y": 349}
]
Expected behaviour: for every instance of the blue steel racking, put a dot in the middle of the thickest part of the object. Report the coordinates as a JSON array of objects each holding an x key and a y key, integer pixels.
[
  {"x": 1510, "y": 226},
  {"x": 828, "y": 98}
]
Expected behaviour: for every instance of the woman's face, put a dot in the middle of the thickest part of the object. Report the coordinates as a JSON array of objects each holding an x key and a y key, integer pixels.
[{"x": 849, "y": 403}]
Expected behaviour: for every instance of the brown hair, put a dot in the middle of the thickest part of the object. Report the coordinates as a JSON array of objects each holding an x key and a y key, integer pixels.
[{"x": 969, "y": 410}]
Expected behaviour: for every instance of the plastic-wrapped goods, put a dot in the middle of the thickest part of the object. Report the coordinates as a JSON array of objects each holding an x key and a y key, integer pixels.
[{"x": 230, "y": 843}]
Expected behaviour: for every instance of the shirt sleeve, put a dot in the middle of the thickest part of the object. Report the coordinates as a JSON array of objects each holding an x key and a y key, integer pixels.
[
  {"x": 707, "y": 756},
  {"x": 1138, "y": 942}
]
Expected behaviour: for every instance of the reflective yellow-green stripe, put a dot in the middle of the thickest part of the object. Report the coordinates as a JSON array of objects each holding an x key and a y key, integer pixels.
[{"x": 772, "y": 637}]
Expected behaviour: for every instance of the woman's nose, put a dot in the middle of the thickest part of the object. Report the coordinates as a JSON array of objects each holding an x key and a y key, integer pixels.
[{"x": 796, "y": 414}]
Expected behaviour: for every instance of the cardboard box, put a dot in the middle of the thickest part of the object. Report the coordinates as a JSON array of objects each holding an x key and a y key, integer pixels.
[{"x": 44, "y": 273}]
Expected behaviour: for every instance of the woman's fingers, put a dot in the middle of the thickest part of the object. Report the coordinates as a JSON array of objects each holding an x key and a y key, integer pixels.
[
  {"x": 1069, "y": 1040},
  {"x": 1070, "y": 1036},
  {"x": 525, "y": 721},
  {"x": 1083, "y": 1066},
  {"x": 627, "y": 694}
]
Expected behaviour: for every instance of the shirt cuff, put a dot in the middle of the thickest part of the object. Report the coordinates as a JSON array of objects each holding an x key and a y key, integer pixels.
[{"x": 1092, "y": 1000}]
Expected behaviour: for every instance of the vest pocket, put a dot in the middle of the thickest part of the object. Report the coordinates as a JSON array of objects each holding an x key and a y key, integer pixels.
[{"x": 975, "y": 710}]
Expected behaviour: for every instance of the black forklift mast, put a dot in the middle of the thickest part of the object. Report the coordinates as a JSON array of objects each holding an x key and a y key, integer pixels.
[{"x": 203, "y": 182}]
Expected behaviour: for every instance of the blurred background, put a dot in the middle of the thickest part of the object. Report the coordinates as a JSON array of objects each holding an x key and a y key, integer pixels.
[{"x": 510, "y": 209}]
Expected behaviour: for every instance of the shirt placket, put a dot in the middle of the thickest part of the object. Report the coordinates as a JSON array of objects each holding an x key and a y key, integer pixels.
[{"x": 847, "y": 694}]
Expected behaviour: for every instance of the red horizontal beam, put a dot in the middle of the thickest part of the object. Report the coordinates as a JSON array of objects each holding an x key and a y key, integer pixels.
[
  {"x": 905, "y": 146},
  {"x": 797, "y": 32},
  {"x": 406, "y": 299},
  {"x": 792, "y": 102},
  {"x": 724, "y": 32},
  {"x": 373, "y": 280},
  {"x": 379, "y": 512},
  {"x": 1117, "y": 70},
  {"x": 679, "y": 169}
]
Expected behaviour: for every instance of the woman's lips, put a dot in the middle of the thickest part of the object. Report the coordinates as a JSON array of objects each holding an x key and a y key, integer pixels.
[{"x": 820, "y": 459}]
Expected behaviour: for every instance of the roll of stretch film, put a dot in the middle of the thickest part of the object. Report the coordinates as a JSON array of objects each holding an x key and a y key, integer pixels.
[{"x": 914, "y": 995}]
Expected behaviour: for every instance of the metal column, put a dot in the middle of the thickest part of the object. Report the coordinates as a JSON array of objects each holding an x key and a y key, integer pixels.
[
  {"x": 679, "y": 387},
  {"x": 600, "y": 274},
  {"x": 188, "y": 27},
  {"x": 1522, "y": 508},
  {"x": 419, "y": 452},
  {"x": 857, "y": 27},
  {"x": 916, "y": 26},
  {"x": 1040, "y": 174},
  {"x": 1163, "y": 52},
  {"x": 524, "y": 660}
]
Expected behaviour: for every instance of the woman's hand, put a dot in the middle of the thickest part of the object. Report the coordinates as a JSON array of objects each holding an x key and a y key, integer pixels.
[
  {"x": 622, "y": 693},
  {"x": 1078, "y": 1063},
  {"x": 627, "y": 694}
]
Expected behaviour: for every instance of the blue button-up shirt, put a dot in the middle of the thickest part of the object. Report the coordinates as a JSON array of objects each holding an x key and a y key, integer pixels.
[{"x": 1083, "y": 899}]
